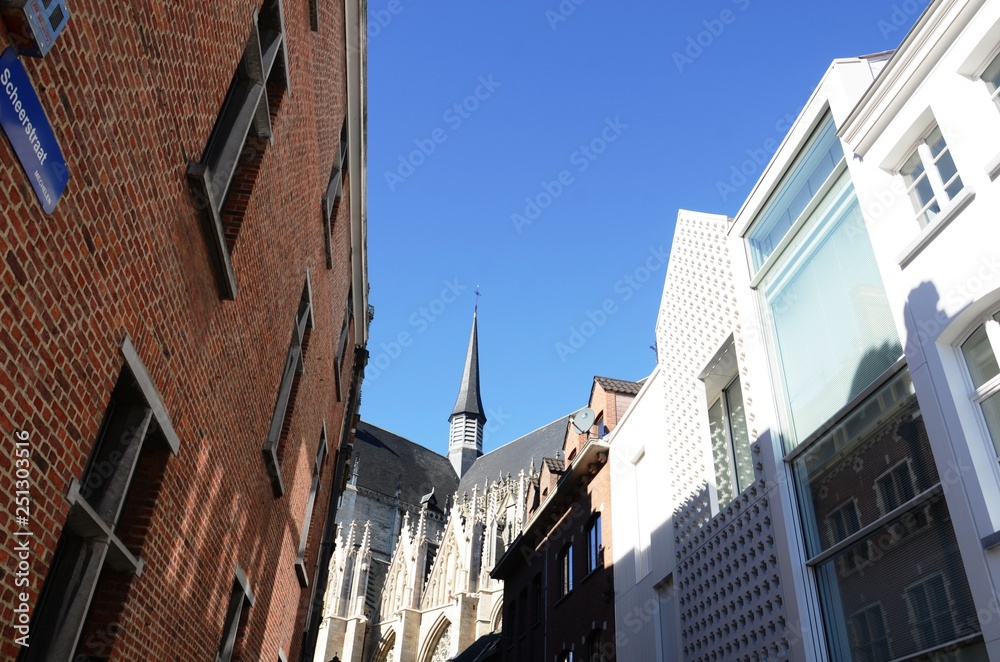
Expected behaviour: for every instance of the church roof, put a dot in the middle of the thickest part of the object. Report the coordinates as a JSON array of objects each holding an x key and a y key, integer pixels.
[
  {"x": 469, "y": 400},
  {"x": 386, "y": 459},
  {"x": 517, "y": 455},
  {"x": 619, "y": 385},
  {"x": 487, "y": 647}
]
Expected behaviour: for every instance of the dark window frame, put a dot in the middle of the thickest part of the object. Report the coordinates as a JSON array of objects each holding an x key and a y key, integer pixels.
[
  {"x": 241, "y": 599},
  {"x": 595, "y": 544},
  {"x": 273, "y": 448},
  {"x": 260, "y": 81},
  {"x": 322, "y": 453},
  {"x": 91, "y": 542},
  {"x": 566, "y": 570},
  {"x": 335, "y": 193}
]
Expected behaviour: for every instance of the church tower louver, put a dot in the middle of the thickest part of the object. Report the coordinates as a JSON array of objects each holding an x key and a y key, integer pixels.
[{"x": 465, "y": 443}]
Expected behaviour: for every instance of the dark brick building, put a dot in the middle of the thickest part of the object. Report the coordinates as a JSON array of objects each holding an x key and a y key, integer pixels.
[
  {"x": 558, "y": 576},
  {"x": 183, "y": 338}
]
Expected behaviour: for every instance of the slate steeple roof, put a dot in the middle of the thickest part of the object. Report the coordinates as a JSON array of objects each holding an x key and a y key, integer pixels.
[{"x": 469, "y": 401}]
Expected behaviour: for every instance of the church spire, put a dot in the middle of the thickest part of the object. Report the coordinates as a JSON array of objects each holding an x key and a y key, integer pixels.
[
  {"x": 468, "y": 418},
  {"x": 469, "y": 401}
]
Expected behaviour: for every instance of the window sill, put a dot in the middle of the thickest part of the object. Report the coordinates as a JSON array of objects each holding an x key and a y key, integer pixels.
[
  {"x": 592, "y": 573},
  {"x": 993, "y": 169},
  {"x": 928, "y": 234},
  {"x": 199, "y": 180},
  {"x": 562, "y": 599},
  {"x": 274, "y": 470},
  {"x": 300, "y": 572}
]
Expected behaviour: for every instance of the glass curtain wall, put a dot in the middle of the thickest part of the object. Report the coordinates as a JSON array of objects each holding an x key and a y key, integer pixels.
[{"x": 878, "y": 536}]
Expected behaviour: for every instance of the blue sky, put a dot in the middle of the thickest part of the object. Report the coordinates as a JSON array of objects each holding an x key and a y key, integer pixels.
[{"x": 541, "y": 150}]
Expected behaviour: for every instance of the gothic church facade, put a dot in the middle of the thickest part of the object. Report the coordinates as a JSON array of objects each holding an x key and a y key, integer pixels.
[{"x": 418, "y": 534}]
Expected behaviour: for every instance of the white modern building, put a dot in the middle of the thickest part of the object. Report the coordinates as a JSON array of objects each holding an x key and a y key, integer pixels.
[{"x": 824, "y": 479}]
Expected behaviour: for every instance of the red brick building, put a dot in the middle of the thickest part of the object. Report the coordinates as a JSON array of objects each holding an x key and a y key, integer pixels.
[
  {"x": 183, "y": 337},
  {"x": 558, "y": 578}
]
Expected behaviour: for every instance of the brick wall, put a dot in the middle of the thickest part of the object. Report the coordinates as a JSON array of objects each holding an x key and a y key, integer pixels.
[{"x": 133, "y": 90}]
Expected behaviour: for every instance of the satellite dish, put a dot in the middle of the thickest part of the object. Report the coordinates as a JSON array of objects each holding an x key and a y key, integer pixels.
[{"x": 583, "y": 420}]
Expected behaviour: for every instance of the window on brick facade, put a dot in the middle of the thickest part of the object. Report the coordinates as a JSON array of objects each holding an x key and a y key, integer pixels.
[
  {"x": 314, "y": 15},
  {"x": 869, "y": 634},
  {"x": 596, "y": 646},
  {"x": 334, "y": 194},
  {"x": 300, "y": 559},
  {"x": 223, "y": 180},
  {"x": 338, "y": 359},
  {"x": 843, "y": 522},
  {"x": 78, "y": 613},
  {"x": 595, "y": 544},
  {"x": 566, "y": 570},
  {"x": 931, "y": 176},
  {"x": 896, "y": 486},
  {"x": 281, "y": 419},
  {"x": 536, "y": 598},
  {"x": 930, "y": 611},
  {"x": 237, "y": 614}
]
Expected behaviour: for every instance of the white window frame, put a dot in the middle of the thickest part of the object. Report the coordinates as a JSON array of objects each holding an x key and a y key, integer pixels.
[
  {"x": 566, "y": 583},
  {"x": 911, "y": 616},
  {"x": 991, "y": 76},
  {"x": 992, "y": 386},
  {"x": 939, "y": 187},
  {"x": 722, "y": 398},
  {"x": 867, "y": 608},
  {"x": 595, "y": 544},
  {"x": 880, "y": 493}
]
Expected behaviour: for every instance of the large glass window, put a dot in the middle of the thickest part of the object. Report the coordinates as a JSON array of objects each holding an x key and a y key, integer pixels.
[
  {"x": 981, "y": 350},
  {"x": 727, "y": 424},
  {"x": 833, "y": 331},
  {"x": 803, "y": 182},
  {"x": 879, "y": 536}
]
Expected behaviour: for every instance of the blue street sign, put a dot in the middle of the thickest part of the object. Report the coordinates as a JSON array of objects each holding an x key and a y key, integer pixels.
[{"x": 23, "y": 120}]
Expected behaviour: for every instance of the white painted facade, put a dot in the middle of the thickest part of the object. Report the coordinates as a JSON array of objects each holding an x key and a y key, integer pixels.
[{"x": 735, "y": 581}]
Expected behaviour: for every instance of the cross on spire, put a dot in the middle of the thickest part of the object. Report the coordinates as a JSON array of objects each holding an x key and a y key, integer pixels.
[{"x": 476, "y": 309}]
